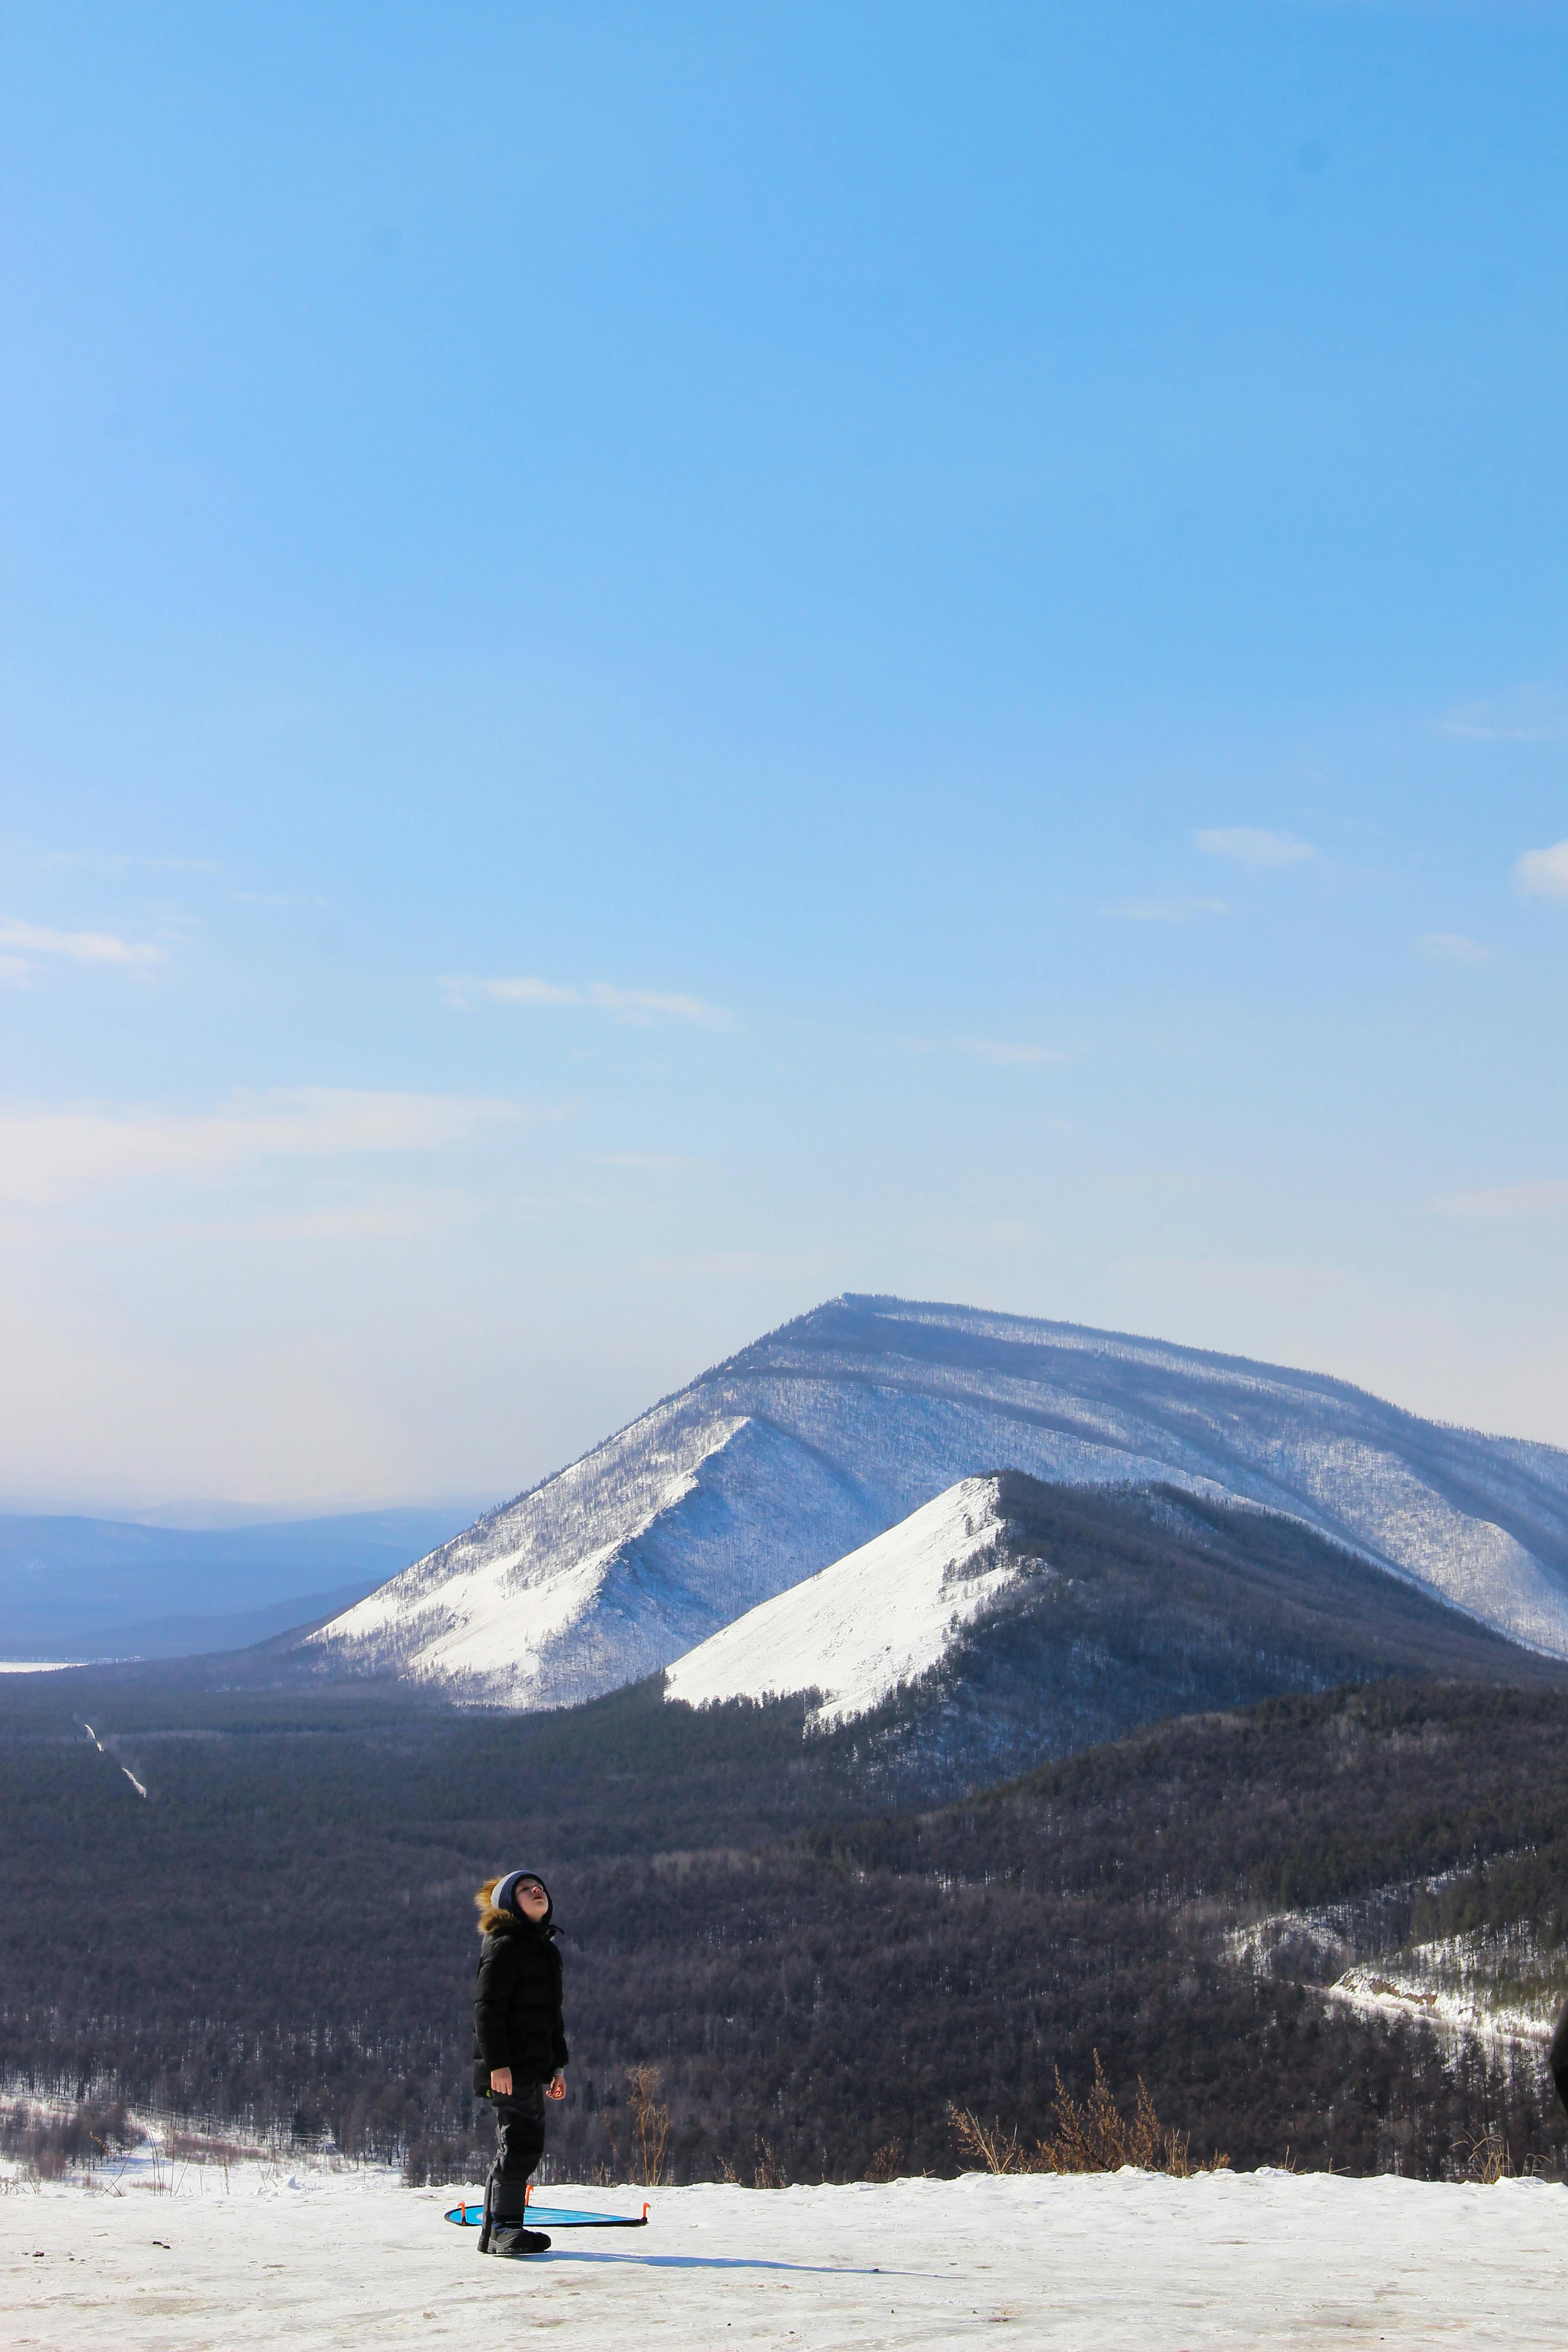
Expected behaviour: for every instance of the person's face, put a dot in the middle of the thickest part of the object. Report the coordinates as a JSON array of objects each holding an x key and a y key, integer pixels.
[{"x": 531, "y": 1899}]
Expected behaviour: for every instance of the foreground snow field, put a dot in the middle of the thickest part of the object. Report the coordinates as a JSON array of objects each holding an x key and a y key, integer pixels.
[{"x": 1126, "y": 2260}]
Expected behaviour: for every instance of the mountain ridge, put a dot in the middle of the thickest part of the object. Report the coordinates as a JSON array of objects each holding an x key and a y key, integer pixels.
[
  {"x": 822, "y": 1434},
  {"x": 1098, "y": 1609},
  {"x": 867, "y": 1624}
]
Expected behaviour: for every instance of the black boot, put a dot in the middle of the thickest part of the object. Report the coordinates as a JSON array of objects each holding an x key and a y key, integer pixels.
[
  {"x": 506, "y": 2213},
  {"x": 513, "y": 2244}
]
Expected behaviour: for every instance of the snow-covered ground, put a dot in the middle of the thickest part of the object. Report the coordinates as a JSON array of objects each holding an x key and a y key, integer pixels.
[
  {"x": 882, "y": 1616},
  {"x": 1098, "y": 2265}
]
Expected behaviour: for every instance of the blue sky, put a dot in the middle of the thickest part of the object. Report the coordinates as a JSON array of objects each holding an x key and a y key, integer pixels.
[{"x": 662, "y": 660}]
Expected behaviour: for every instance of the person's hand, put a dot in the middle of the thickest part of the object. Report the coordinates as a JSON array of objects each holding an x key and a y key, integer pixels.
[
  {"x": 556, "y": 2086},
  {"x": 500, "y": 2081}
]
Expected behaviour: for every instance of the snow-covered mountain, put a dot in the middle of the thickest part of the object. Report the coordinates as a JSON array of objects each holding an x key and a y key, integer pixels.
[
  {"x": 874, "y": 1620},
  {"x": 829, "y": 1430},
  {"x": 1013, "y": 1620}
]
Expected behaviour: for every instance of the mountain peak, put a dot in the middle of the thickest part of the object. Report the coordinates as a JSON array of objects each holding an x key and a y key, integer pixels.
[
  {"x": 878, "y": 1619},
  {"x": 827, "y": 1433}
]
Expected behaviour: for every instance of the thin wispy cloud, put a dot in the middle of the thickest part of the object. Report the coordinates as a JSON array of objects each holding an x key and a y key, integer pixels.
[
  {"x": 795, "y": 1265},
  {"x": 642, "y": 1007},
  {"x": 48, "y": 1155},
  {"x": 1507, "y": 1201},
  {"x": 1543, "y": 873},
  {"x": 1163, "y": 911},
  {"x": 1253, "y": 846},
  {"x": 125, "y": 861},
  {"x": 275, "y": 898},
  {"x": 1531, "y": 714},
  {"x": 995, "y": 1232},
  {"x": 1008, "y": 1055},
  {"x": 23, "y": 946},
  {"x": 664, "y": 1163},
  {"x": 1451, "y": 947},
  {"x": 385, "y": 1213}
]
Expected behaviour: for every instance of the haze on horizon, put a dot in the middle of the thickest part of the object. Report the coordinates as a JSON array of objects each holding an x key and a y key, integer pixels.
[{"x": 660, "y": 663}]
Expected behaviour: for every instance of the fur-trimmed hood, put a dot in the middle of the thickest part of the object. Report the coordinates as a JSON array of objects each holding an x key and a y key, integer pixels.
[{"x": 494, "y": 1922}]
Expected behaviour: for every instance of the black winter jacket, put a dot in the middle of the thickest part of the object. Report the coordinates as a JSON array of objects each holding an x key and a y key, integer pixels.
[{"x": 517, "y": 2004}]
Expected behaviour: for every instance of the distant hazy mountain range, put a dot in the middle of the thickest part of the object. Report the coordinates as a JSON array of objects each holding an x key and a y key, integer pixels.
[
  {"x": 809, "y": 1443},
  {"x": 83, "y": 1588}
]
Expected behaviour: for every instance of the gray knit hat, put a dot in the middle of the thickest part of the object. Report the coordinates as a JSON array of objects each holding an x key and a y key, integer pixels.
[{"x": 504, "y": 1896}]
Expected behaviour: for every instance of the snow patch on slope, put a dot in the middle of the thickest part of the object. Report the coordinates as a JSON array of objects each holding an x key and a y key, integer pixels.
[
  {"x": 1501, "y": 1984},
  {"x": 611, "y": 1569},
  {"x": 855, "y": 1632},
  {"x": 1450, "y": 1986},
  {"x": 1367, "y": 1496}
]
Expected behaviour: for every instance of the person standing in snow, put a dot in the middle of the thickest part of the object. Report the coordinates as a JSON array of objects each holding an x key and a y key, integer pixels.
[{"x": 520, "y": 2046}]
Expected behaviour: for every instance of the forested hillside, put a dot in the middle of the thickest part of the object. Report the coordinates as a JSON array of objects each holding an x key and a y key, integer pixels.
[
  {"x": 1127, "y": 1608},
  {"x": 281, "y": 1930}
]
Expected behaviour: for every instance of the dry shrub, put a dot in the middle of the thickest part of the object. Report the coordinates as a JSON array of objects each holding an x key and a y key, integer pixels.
[
  {"x": 1090, "y": 2135},
  {"x": 990, "y": 2148},
  {"x": 1486, "y": 2159},
  {"x": 50, "y": 2145},
  {"x": 650, "y": 2123},
  {"x": 769, "y": 2172},
  {"x": 888, "y": 2162},
  {"x": 205, "y": 2148}
]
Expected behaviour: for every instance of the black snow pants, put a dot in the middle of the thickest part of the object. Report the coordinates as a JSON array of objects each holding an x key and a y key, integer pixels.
[{"x": 520, "y": 2131}]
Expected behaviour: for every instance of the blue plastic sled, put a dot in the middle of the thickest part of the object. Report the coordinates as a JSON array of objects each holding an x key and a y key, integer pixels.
[{"x": 554, "y": 2216}]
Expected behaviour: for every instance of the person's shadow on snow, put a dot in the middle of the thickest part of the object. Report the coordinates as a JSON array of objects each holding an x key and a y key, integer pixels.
[{"x": 723, "y": 2263}]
